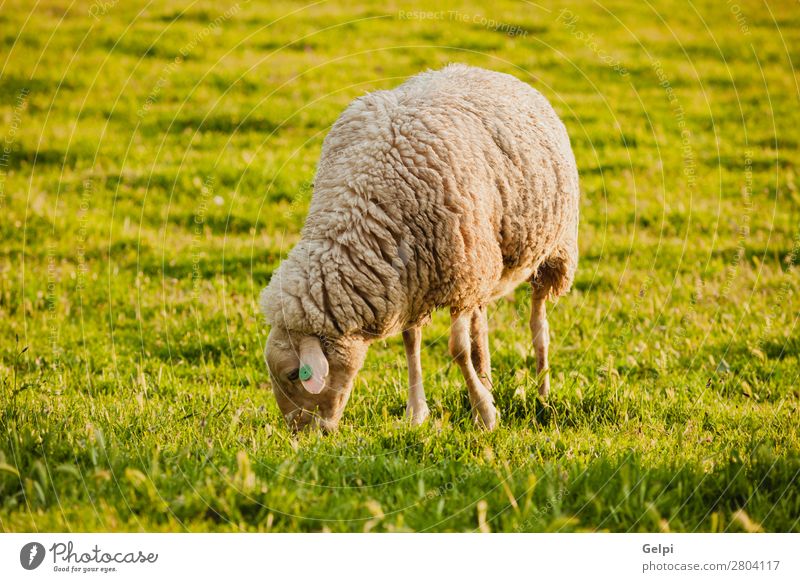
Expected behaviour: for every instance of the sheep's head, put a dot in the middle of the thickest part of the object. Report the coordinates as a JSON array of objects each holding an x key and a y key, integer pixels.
[{"x": 312, "y": 379}]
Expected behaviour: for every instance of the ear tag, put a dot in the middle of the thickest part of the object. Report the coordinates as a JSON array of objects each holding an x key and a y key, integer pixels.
[{"x": 305, "y": 372}]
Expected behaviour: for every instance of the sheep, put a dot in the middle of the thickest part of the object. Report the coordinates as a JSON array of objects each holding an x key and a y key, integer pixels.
[{"x": 447, "y": 191}]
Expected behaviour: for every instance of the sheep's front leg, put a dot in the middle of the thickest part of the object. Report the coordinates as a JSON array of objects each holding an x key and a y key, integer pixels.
[
  {"x": 540, "y": 330},
  {"x": 481, "y": 400},
  {"x": 417, "y": 408}
]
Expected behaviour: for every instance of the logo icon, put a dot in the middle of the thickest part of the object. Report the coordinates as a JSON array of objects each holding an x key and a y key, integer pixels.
[{"x": 31, "y": 555}]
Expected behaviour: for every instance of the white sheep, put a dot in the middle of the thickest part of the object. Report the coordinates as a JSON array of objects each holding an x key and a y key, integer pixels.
[{"x": 450, "y": 190}]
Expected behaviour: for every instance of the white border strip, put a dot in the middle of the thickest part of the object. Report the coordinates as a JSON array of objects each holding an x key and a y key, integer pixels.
[{"x": 389, "y": 557}]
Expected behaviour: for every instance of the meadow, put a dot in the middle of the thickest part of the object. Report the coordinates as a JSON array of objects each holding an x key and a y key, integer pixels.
[{"x": 157, "y": 161}]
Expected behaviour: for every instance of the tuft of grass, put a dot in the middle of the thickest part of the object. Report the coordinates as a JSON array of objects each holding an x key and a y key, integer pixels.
[{"x": 146, "y": 200}]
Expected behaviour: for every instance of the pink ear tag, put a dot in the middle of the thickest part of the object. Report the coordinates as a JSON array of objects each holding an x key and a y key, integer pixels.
[{"x": 311, "y": 382}]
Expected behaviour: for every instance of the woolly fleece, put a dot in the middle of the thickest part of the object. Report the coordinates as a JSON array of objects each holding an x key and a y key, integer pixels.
[{"x": 449, "y": 190}]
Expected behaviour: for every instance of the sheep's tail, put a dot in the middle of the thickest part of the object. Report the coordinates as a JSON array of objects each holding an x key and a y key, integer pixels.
[{"x": 555, "y": 275}]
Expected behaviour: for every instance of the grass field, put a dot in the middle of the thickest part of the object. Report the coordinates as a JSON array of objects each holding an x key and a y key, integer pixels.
[{"x": 157, "y": 163}]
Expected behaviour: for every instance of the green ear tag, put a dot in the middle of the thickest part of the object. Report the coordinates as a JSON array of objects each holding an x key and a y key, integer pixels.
[{"x": 305, "y": 372}]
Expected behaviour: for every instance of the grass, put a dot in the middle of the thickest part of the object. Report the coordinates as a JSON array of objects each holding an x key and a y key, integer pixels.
[{"x": 146, "y": 200}]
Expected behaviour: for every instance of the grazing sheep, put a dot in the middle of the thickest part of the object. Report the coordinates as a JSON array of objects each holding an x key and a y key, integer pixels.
[{"x": 449, "y": 190}]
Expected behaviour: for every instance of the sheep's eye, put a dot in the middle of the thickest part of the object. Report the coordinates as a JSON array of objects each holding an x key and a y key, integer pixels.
[{"x": 293, "y": 375}]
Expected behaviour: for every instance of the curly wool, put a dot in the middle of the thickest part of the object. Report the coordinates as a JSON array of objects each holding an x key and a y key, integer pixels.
[{"x": 449, "y": 190}]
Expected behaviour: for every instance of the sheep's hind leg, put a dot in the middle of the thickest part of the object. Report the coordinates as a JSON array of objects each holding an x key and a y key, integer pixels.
[
  {"x": 540, "y": 330},
  {"x": 481, "y": 400},
  {"x": 417, "y": 408}
]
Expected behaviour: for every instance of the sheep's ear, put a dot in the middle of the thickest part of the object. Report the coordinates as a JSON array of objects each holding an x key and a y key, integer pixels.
[{"x": 313, "y": 365}]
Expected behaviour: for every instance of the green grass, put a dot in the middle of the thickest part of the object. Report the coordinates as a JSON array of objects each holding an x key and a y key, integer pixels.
[{"x": 145, "y": 202}]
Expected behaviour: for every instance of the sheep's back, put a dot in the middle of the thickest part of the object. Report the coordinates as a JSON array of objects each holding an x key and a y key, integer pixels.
[{"x": 463, "y": 180}]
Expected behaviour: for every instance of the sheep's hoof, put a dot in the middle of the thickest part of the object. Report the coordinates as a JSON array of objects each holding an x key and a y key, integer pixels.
[
  {"x": 417, "y": 414},
  {"x": 485, "y": 416}
]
